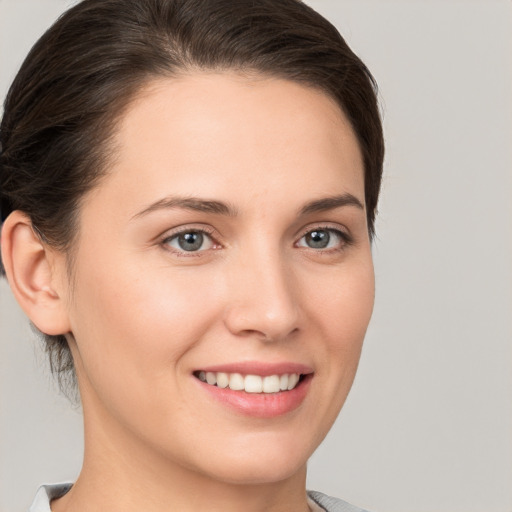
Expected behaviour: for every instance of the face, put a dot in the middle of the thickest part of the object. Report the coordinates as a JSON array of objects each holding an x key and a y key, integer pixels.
[{"x": 224, "y": 259}]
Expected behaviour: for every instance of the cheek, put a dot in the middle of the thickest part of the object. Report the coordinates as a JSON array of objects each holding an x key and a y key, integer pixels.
[
  {"x": 140, "y": 321},
  {"x": 342, "y": 306},
  {"x": 343, "y": 300}
]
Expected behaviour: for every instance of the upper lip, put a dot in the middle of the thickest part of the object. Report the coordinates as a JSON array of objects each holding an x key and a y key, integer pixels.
[{"x": 259, "y": 368}]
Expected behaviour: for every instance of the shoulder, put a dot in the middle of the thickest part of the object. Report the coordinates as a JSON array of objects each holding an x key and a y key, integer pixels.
[
  {"x": 47, "y": 493},
  {"x": 331, "y": 504}
]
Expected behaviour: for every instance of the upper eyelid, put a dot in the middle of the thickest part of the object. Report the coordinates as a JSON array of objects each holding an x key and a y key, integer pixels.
[
  {"x": 326, "y": 225},
  {"x": 211, "y": 231},
  {"x": 171, "y": 233}
]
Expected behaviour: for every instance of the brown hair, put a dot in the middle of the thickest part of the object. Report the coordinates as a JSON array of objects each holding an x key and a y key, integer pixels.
[{"x": 60, "y": 112}]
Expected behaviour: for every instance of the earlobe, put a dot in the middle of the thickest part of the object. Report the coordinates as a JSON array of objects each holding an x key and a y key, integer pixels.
[{"x": 32, "y": 272}]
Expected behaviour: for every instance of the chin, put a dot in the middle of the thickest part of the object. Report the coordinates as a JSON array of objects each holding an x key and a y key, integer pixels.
[
  {"x": 260, "y": 466},
  {"x": 258, "y": 474}
]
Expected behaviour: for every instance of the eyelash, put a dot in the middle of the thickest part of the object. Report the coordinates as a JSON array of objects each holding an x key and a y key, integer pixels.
[
  {"x": 187, "y": 254},
  {"x": 344, "y": 238}
]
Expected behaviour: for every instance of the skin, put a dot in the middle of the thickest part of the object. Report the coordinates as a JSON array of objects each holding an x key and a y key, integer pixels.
[{"x": 144, "y": 314}]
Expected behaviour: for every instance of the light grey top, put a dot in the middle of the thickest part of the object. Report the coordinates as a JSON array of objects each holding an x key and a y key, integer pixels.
[
  {"x": 46, "y": 493},
  {"x": 331, "y": 504}
]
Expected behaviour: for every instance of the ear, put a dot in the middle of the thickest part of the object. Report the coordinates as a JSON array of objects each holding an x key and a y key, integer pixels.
[{"x": 35, "y": 274}]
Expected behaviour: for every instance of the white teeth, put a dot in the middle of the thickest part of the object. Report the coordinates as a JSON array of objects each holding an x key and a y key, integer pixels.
[
  {"x": 222, "y": 380},
  {"x": 236, "y": 382},
  {"x": 251, "y": 383},
  {"x": 292, "y": 380},
  {"x": 271, "y": 384}
]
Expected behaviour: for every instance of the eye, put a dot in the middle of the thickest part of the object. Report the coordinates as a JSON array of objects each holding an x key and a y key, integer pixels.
[
  {"x": 324, "y": 238},
  {"x": 190, "y": 241}
]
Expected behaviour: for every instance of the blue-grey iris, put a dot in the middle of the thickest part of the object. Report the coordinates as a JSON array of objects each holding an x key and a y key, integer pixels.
[
  {"x": 191, "y": 241},
  {"x": 318, "y": 239}
]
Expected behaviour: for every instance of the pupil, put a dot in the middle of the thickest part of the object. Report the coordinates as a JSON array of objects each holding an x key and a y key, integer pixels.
[
  {"x": 318, "y": 239},
  {"x": 191, "y": 241}
]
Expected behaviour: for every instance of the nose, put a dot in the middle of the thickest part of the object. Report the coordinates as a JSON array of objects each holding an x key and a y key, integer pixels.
[{"x": 262, "y": 298}]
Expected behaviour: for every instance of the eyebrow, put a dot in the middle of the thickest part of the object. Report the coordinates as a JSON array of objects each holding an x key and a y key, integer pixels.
[
  {"x": 331, "y": 203},
  {"x": 220, "y": 208},
  {"x": 191, "y": 203}
]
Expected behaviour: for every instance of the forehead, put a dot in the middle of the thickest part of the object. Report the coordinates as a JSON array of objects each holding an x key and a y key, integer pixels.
[{"x": 218, "y": 134}]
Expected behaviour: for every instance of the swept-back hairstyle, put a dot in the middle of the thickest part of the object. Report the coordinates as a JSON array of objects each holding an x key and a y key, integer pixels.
[{"x": 61, "y": 111}]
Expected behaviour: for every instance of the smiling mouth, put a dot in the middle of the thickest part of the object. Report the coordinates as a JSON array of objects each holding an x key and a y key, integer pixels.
[{"x": 251, "y": 383}]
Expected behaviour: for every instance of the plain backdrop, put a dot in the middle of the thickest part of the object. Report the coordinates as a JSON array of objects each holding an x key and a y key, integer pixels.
[{"x": 428, "y": 424}]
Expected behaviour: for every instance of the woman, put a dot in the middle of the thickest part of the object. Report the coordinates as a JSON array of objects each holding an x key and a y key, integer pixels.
[{"x": 188, "y": 192}]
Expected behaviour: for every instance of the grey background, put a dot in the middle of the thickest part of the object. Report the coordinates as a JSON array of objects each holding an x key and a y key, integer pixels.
[{"x": 428, "y": 424}]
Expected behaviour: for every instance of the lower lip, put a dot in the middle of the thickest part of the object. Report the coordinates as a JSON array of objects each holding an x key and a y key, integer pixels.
[{"x": 261, "y": 405}]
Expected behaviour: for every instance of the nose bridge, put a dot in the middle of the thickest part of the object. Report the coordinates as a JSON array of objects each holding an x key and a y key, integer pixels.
[{"x": 263, "y": 299}]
